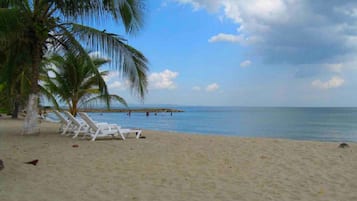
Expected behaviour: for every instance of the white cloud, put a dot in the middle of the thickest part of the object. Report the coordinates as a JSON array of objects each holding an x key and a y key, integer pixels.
[
  {"x": 288, "y": 31},
  {"x": 163, "y": 80},
  {"x": 211, "y": 5},
  {"x": 334, "y": 82},
  {"x": 111, "y": 75},
  {"x": 212, "y": 87},
  {"x": 245, "y": 63},
  {"x": 237, "y": 9},
  {"x": 209, "y": 88},
  {"x": 336, "y": 68},
  {"x": 196, "y": 88},
  {"x": 116, "y": 85},
  {"x": 221, "y": 37},
  {"x": 95, "y": 54}
]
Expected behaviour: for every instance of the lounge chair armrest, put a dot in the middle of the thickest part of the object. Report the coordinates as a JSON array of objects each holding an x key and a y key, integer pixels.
[
  {"x": 102, "y": 125},
  {"x": 116, "y": 126}
]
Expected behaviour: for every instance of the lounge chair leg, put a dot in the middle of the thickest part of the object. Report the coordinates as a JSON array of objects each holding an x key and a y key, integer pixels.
[
  {"x": 78, "y": 131},
  {"x": 75, "y": 135},
  {"x": 65, "y": 130},
  {"x": 138, "y": 135},
  {"x": 122, "y": 136},
  {"x": 95, "y": 135}
]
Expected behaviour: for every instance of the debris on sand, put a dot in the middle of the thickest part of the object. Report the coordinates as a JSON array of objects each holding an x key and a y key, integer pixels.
[
  {"x": 33, "y": 162},
  {"x": 1, "y": 165},
  {"x": 343, "y": 145}
]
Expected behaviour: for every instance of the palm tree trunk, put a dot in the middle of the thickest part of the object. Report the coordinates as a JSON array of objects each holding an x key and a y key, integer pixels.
[
  {"x": 74, "y": 108},
  {"x": 30, "y": 124},
  {"x": 15, "y": 110}
]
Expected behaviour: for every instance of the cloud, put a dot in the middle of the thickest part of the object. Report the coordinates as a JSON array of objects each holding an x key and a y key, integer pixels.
[
  {"x": 209, "y": 88},
  {"x": 313, "y": 70},
  {"x": 196, "y": 88},
  {"x": 212, "y": 87},
  {"x": 163, "y": 80},
  {"x": 222, "y": 37},
  {"x": 111, "y": 75},
  {"x": 288, "y": 31},
  {"x": 334, "y": 82},
  {"x": 336, "y": 68},
  {"x": 245, "y": 63},
  {"x": 116, "y": 85},
  {"x": 210, "y": 5}
]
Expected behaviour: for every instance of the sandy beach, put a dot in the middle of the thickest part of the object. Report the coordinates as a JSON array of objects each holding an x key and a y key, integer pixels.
[{"x": 172, "y": 166}]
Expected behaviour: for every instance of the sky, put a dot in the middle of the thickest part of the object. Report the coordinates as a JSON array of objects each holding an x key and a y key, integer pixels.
[{"x": 293, "y": 53}]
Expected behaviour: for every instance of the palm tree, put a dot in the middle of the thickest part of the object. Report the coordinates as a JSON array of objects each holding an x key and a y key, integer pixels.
[
  {"x": 54, "y": 24},
  {"x": 13, "y": 92},
  {"x": 72, "y": 80},
  {"x": 14, "y": 81}
]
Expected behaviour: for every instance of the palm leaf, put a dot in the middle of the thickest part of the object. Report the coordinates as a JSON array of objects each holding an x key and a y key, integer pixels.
[
  {"x": 129, "y": 12},
  {"x": 131, "y": 63},
  {"x": 102, "y": 98}
]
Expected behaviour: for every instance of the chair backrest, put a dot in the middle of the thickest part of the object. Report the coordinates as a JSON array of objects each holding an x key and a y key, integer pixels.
[
  {"x": 60, "y": 116},
  {"x": 89, "y": 121},
  {"x": 72, "y": 118}
]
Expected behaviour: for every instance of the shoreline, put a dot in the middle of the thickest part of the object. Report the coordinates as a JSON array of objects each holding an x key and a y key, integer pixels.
[
  {"x": 152, "y": 110},
  {"x": 172, "y": 166},
  {"x": 49, "y": 120},
  {"x": 122, "y": 110}
]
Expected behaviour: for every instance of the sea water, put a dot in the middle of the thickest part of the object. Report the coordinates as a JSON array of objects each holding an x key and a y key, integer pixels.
[{"x": 321, "y": 124}]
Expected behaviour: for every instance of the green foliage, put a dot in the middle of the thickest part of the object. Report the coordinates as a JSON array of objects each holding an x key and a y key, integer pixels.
[
  {"x": 15, "y": 82},
  {"x": 42, "y": 26},
  {"x": 29, "y": 29},
  {"x": 73, "y": 80}
]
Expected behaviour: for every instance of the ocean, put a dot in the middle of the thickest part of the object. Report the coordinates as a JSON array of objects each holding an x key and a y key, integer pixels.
[{"x": 318, "y": 124}]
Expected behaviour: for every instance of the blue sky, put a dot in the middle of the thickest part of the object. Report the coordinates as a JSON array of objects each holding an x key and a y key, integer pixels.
[{"x": 247, "y": 53}]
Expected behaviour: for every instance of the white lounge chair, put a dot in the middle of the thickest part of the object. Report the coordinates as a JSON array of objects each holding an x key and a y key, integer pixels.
[
  {"x": 100, "y": 129},
  {"x": 66, "y": 124},
  {"x": 78, "y": 126}
]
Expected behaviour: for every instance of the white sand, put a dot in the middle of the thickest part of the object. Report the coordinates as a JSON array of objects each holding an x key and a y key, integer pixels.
[{"x": 169, "y": 167}]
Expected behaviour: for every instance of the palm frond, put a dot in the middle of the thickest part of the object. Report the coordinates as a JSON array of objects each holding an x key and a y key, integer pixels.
[
  {"x": 10, "y": 3},
  {"x": 101, "y": 98},
  {"x": 11, "y": 25},
  {"x": 130, "y": 62},
  {"x": 128, "y": 12},
  {"x": 49, "y": 95}
]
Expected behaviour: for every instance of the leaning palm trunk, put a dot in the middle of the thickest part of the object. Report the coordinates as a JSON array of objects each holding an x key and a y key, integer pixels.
[{"x": 30, "y": 124}]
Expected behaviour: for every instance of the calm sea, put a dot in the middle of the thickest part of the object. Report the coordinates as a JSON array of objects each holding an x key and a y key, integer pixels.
[{"x": 322, "y": 124}]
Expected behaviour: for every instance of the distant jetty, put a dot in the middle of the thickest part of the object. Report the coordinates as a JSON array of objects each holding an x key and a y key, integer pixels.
[{"x": 126, "y": 110}]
